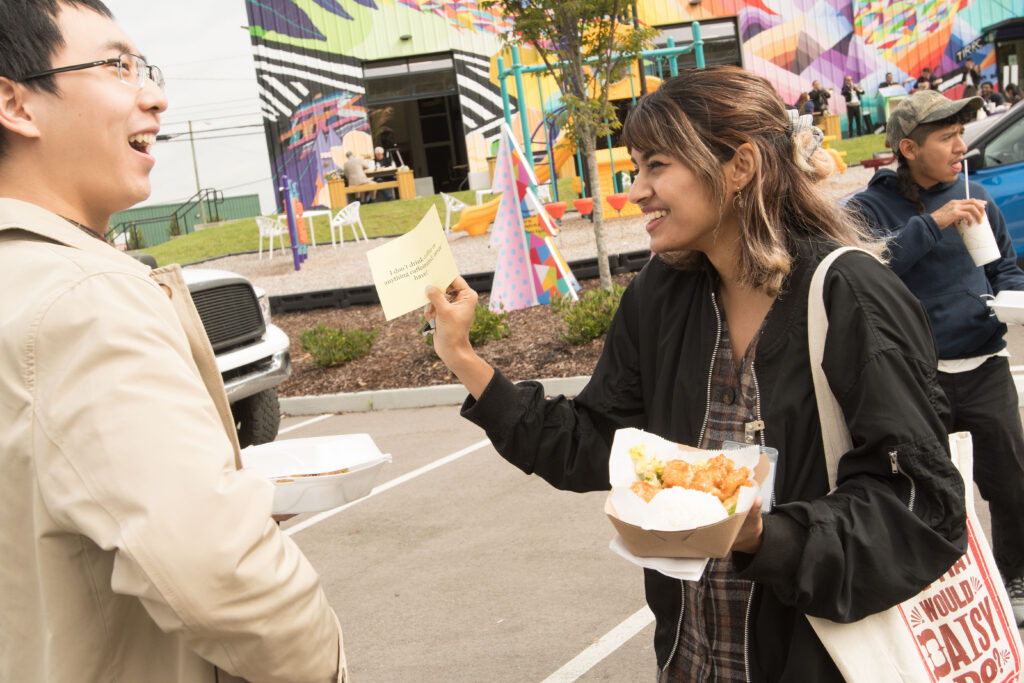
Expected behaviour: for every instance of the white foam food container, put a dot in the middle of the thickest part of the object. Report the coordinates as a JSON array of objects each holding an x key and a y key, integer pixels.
[
  {"x": 1008, "y": 306},
  {"x": 318, "y": 473}
]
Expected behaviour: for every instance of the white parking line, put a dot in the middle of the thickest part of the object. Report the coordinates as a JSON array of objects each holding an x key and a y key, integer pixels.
[
  {"x": 306, "y": 423},
  {"x": 607, "y": 644},
  {"x": 408, "y": 476}
]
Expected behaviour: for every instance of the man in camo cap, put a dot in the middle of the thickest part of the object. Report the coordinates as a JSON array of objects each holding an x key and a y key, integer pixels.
[{"x": 913, "y": 208}]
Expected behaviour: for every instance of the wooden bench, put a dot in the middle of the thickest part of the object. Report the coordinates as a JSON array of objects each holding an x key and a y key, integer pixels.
[{"x": 368, "y": 187}]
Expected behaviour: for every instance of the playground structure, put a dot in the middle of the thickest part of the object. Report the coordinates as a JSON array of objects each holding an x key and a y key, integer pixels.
[{"x": 612, "y": 162}]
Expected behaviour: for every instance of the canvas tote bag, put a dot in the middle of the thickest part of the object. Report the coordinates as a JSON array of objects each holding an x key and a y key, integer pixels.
[{"x": 959, "y": 629}]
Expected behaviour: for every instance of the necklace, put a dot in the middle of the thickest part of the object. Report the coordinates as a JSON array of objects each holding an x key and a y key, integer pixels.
[{"x": 87, "y": 230}]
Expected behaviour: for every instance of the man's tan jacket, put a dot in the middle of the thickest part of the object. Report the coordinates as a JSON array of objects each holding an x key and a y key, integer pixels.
[{"x": 133, "y": 548}]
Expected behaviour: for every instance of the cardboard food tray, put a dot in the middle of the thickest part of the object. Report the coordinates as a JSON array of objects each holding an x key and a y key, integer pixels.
[
  {"x": 356, "y": 453},
  {"x": 711, "y": 540},
  {"x": 1008, "y": 306}
]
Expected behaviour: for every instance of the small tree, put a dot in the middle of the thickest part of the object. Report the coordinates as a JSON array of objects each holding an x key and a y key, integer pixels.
[{"x": 586, "y": 45}]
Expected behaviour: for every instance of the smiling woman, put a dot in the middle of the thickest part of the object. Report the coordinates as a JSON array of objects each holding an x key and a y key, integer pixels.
[{"x": 739, "y": 227}]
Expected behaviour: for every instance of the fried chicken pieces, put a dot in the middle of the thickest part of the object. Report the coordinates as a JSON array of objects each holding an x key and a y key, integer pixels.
[{"x": 718, "y": 476}]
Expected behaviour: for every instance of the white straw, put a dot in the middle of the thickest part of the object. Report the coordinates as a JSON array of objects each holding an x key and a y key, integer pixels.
[{"x": 967, "y": 185}]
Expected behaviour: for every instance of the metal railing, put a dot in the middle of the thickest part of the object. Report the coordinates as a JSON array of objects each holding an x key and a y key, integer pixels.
[{"x": 178, "y": 221}]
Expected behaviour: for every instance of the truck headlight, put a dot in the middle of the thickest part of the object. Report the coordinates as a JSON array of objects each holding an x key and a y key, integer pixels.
[{"x": 264, "y": 302}]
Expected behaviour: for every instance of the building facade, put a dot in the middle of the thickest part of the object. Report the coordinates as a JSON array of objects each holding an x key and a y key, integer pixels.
[{"x": 419, "y": 76}]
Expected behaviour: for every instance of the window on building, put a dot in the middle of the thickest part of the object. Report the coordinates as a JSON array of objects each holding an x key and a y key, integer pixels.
[
  {"x": 721, "y": 45},
  {"x": 403, "y": 79}
]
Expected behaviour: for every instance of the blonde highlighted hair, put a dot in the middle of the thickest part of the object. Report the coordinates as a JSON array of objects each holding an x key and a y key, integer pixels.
[{"x": 701, "y": 118}]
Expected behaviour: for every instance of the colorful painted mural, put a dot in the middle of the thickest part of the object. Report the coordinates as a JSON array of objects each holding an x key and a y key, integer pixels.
[{"x": 309, "y": 57}]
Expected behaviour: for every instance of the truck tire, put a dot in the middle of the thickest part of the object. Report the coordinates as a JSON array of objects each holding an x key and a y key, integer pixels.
[{"x": 257, "y": 418}]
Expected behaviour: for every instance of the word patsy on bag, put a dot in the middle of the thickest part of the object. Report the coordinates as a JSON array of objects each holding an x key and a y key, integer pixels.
[
  {"x": 961, "y": 632},
  {"x": 956, "y": 630}
]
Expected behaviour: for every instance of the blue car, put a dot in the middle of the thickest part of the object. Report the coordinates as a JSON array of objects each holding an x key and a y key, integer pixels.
[{"x": 995, "y": 158}]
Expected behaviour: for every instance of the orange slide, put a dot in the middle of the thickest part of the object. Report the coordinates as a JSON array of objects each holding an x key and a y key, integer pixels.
[{"x": 476, "y": 219}]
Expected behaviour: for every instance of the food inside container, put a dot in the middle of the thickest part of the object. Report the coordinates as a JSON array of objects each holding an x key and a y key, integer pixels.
[
  {"x": 318, "y": 473},
  {"x": 1008, "y": 306},
  {"x": 658, "y": 517}
]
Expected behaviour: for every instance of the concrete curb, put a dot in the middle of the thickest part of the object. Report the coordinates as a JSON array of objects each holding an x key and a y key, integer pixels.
[{"x": 420, "y": 397}]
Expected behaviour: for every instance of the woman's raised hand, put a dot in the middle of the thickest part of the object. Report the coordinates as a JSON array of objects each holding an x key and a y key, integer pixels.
[{"x": 451, "y": 312}]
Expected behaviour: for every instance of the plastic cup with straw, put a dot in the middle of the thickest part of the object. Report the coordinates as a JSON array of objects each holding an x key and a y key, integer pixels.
[{"x": 977, "y": 237}]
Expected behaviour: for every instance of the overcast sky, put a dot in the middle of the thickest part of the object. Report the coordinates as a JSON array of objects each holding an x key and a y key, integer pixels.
[{"x": 204, "y": 51}]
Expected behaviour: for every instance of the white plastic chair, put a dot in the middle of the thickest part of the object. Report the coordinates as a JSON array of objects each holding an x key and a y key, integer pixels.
[
  {"x": 269, "y": 229},
  {"x": 451, "y": 204},
  {"x": 481, "y": 193},
  {"x": 544, "y": 192},
  {"x": 347, "y": 216}
]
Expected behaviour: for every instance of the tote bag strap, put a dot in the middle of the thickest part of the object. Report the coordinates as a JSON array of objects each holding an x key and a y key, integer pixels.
[{"x": 834, "y": 433}]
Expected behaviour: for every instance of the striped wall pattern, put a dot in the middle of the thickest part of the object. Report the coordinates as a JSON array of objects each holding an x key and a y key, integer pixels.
[{"x": 479, "y": 99}]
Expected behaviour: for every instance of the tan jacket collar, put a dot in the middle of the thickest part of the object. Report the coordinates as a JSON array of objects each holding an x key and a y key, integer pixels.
[{"x": 18, "y": 215}]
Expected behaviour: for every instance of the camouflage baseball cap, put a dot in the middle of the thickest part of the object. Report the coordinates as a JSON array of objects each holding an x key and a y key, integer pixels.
[{"x": 923, "y": 107}]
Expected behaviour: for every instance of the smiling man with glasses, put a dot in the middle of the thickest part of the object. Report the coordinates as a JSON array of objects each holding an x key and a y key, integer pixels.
[{"x": 133, "y": 547}]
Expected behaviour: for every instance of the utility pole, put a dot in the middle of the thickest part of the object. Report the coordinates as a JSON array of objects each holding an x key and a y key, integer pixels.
[{"x": 195, "y": 168}]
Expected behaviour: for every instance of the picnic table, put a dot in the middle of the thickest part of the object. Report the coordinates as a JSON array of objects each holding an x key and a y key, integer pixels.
[{"x": 404, "y": 183}]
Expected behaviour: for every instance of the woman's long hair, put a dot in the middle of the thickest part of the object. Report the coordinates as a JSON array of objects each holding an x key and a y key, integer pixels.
[{"x": 700, "y": 118}]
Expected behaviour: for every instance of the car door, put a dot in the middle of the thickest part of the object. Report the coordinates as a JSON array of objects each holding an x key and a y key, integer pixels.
[{"x": 1001, "y": 170}]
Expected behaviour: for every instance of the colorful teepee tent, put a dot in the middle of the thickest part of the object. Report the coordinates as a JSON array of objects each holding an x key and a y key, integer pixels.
[{"x": 530, "y": 269}]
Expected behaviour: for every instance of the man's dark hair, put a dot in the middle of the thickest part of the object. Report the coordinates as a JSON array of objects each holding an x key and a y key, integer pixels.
[
  {"x": 906, "y": 184},
  {"x": 30, "y": 37}
]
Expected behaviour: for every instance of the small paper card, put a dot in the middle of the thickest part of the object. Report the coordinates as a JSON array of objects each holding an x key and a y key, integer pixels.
[{"x": 404, "y": 267}]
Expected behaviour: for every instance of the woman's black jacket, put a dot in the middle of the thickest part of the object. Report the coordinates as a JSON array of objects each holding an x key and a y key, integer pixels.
[{"x": 842, "y": 556}]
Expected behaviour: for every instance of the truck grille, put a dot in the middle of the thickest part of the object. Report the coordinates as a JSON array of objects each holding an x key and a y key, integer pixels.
[{"x": 230, "y": 314}]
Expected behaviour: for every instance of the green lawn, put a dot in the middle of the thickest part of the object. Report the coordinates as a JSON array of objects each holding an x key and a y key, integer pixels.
[
  {"x": 379, "y": 219},
  {"x": 860, "y": 148}
]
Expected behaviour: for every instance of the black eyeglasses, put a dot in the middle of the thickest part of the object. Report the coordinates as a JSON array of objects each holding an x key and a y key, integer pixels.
[{"x": 131, "y": 70}]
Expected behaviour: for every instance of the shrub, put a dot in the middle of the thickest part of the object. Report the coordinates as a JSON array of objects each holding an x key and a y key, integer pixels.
[
  {"x": 332, "y": 346},
  {"x": 590, "y": 317},
  {"x": 485, "y": 327}
]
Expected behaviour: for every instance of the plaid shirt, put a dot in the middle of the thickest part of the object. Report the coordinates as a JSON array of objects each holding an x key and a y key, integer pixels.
[{"x": 711, "y": 635}]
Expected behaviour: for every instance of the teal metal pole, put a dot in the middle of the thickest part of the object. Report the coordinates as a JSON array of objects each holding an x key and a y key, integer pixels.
[
  {"x": 673, "y": 66},
  {"x": 698, "y": 45},
  {"x": 517, "y": 69},
  {"x": 611, "y": 160},
  {"x": 579, "y": 161},
  {"x": 505, "y": 104},
  {"x": 547, "y": 140}
]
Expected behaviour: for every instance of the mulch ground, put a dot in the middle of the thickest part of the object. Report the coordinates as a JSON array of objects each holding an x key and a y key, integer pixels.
[{"x": 401, "y": 358}]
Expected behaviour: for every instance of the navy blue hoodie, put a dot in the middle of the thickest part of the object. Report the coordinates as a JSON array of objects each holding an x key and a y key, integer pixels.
[{"x": 935, "y": 264}]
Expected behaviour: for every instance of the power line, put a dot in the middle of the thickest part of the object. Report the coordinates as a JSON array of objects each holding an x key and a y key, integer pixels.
[
  {"x": 212, "y": 137},
  {"x": 212, "y": 130}
]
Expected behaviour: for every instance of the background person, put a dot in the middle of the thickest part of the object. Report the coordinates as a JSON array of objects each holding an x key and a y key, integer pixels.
[
  {"x": 134, "y": 549},
  {"x": 384, "y": 160},
  {"x": 852, "y": 93},
  {"x": 972, "y": 73},
  {"x": 928, "y": 80},
  {"x": 820, "y": 97},
  {"x": 1012, "y": 93},
  {"x": 914, "y": 208},
  {"x": 355, "y": 174},
  {"x": 804, "y": 104},
  {"x": 990, "y": 98},
  {"x": 738, "y": 228}
]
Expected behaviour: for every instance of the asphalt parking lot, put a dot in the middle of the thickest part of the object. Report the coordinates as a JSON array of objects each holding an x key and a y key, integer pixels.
[{"x": 461, "y": 568}]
